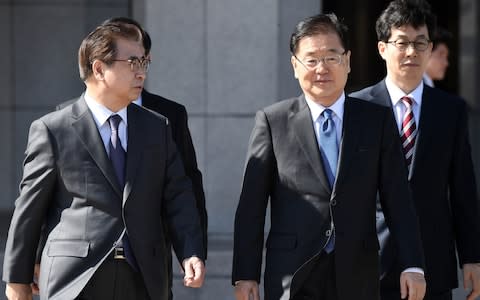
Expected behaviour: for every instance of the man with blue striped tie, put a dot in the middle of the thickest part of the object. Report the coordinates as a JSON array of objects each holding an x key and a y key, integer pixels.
[{"x": 320, "y": 159}]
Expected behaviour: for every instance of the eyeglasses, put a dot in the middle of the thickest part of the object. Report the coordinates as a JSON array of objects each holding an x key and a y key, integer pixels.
[
  {"x": 137, "y": 64},
  {"x": 403, "y": 44},
  {"x": 331, "y": 60}
]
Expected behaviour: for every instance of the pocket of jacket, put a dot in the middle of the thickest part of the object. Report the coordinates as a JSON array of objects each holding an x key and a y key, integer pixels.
[{"x": 72, "y": 248}]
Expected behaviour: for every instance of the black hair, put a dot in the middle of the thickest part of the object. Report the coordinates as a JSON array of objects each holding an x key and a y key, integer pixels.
[
  {"x": 415, "y": 13},
  {"x": 322, "y": 23},
  {"x": 146, "y": 40}
]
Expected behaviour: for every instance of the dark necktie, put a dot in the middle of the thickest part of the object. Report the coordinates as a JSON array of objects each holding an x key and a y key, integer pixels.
[
  {"x": 409, "y": 131},
  {"x": 117, "y": 157},
  {"x": 327, "y": 140}
]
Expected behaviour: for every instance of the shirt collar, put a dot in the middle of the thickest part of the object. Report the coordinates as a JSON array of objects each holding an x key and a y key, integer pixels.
[
  {"x": 317, "y": 109},
  {"x": 138, "y": 101},
  {"x": 428, "y": 80},
  {"x": 101, "y": 113},
  {"x": 396, "y": 93}
]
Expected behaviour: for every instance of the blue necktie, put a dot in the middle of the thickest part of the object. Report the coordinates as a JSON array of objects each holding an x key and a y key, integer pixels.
[
  {"x": 327, "y": 140},
  {"x": 117, "y": 157},
  {"x": 328, "y": 145}
]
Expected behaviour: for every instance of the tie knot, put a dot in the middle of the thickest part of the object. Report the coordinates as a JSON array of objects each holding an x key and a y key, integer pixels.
[
  {"x": 407, "y": 101},
  {"x": 114, "y": 120},
  {"x": 327, "y": 113}
]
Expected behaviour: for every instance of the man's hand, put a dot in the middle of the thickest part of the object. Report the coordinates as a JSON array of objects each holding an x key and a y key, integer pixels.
[
  {"x": 245, "y": 288},
  {"x": 18, "y": 291},
  {"x": 194, "y": 272},
  {"x": 412, "y": 285},
  {"x": 36, "y": 277},
  {"x": 471, "y": 280}
]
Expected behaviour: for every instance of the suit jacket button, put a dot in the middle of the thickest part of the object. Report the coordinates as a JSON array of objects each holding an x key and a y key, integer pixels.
[
  {"x": 333, "y": 202},
  {"x": 328, "y": 232}
]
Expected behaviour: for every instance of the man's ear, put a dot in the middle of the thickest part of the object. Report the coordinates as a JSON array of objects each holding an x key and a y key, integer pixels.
[
  {"x": 382, "y": 47},
  {"x": 294, "y": 62},
  {"x": 98, "y": 69},
  {"x": 347, "y": 60}
]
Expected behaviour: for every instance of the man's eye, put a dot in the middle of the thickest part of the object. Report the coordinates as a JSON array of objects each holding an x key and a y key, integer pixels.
[
  {"x": 421, "y": 43},
  {"x": 330, "y": 59}
]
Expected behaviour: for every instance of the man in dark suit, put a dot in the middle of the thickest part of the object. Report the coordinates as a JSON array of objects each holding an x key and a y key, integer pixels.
[
  {"x": 178, "y": 118},
  {"x": 104, "y": 177},
  {"x": 322, "y": 243},
  {"x": 433, "y": 128}
]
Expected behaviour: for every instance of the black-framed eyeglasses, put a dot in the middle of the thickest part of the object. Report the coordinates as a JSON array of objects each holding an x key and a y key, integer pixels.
[
  {"x": 330, "y": 60},
  {"x": 137, "y": 64},
  {"x": 403, "y": 44}
]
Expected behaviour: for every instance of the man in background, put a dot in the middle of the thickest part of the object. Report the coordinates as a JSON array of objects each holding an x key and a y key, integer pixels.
[
  {"x": 432, "y": 126},
  {"x": 178, "y": 118},
  {"x": 438, "y": 62}
]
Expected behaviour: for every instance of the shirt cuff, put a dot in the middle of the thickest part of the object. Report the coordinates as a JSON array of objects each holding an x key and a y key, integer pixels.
[{"x": 414, "y": 270}]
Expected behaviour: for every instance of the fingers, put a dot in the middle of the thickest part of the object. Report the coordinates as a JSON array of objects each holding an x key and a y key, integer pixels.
[
  {"x": 412, "y": 285},
  {"x": 36, "y": 277},
  {"x": 194, "y": 272},
  {"x": 403, "y": 288},
  {"x": 246, "y": 288},
  {"x": 35, "y": 289},
  {"x": 475, "y": 285},
  {"x": 18, "y": 291},
  {"x": 412, "y": 295},
  {"x": 256, "y": 294},
  {"x": 471, "y": 279}
]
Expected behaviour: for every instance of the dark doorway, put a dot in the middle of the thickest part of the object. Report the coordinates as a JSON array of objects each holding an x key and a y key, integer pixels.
[{"x": 367, "y": 66}]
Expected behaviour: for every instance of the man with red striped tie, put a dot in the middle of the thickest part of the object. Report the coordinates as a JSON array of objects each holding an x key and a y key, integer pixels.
[{"x": 433, "y": 129}]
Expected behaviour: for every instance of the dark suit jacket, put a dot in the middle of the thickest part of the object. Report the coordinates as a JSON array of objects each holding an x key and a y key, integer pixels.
[
  {"x": 177, "y": 115},
  {"x": 69, "y": 184},
  {"x": 178, "y": 118},
  {"x": 284, "y": 165},
  {"x": 443, "y": 185}
]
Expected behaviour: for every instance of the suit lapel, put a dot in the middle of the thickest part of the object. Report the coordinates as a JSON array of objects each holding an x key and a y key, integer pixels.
[
  {"x": 381, "y": 96},
  {"x": 88, "y": 133},
  {"x": 305, "y": 134},
  {"x": 351, "y": 121},
  {"x": 424, "y": 129},
  {"x": 135, "y": 146}
]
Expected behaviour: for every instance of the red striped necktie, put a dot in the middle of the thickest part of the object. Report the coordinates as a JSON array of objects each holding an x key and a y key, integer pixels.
[{"x": 409, "y": 130}]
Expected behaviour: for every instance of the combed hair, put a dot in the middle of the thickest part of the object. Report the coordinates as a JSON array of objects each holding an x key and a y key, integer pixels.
[
  {"x": 322, "y": 23},
  {"x": 415, "y": 13}
]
